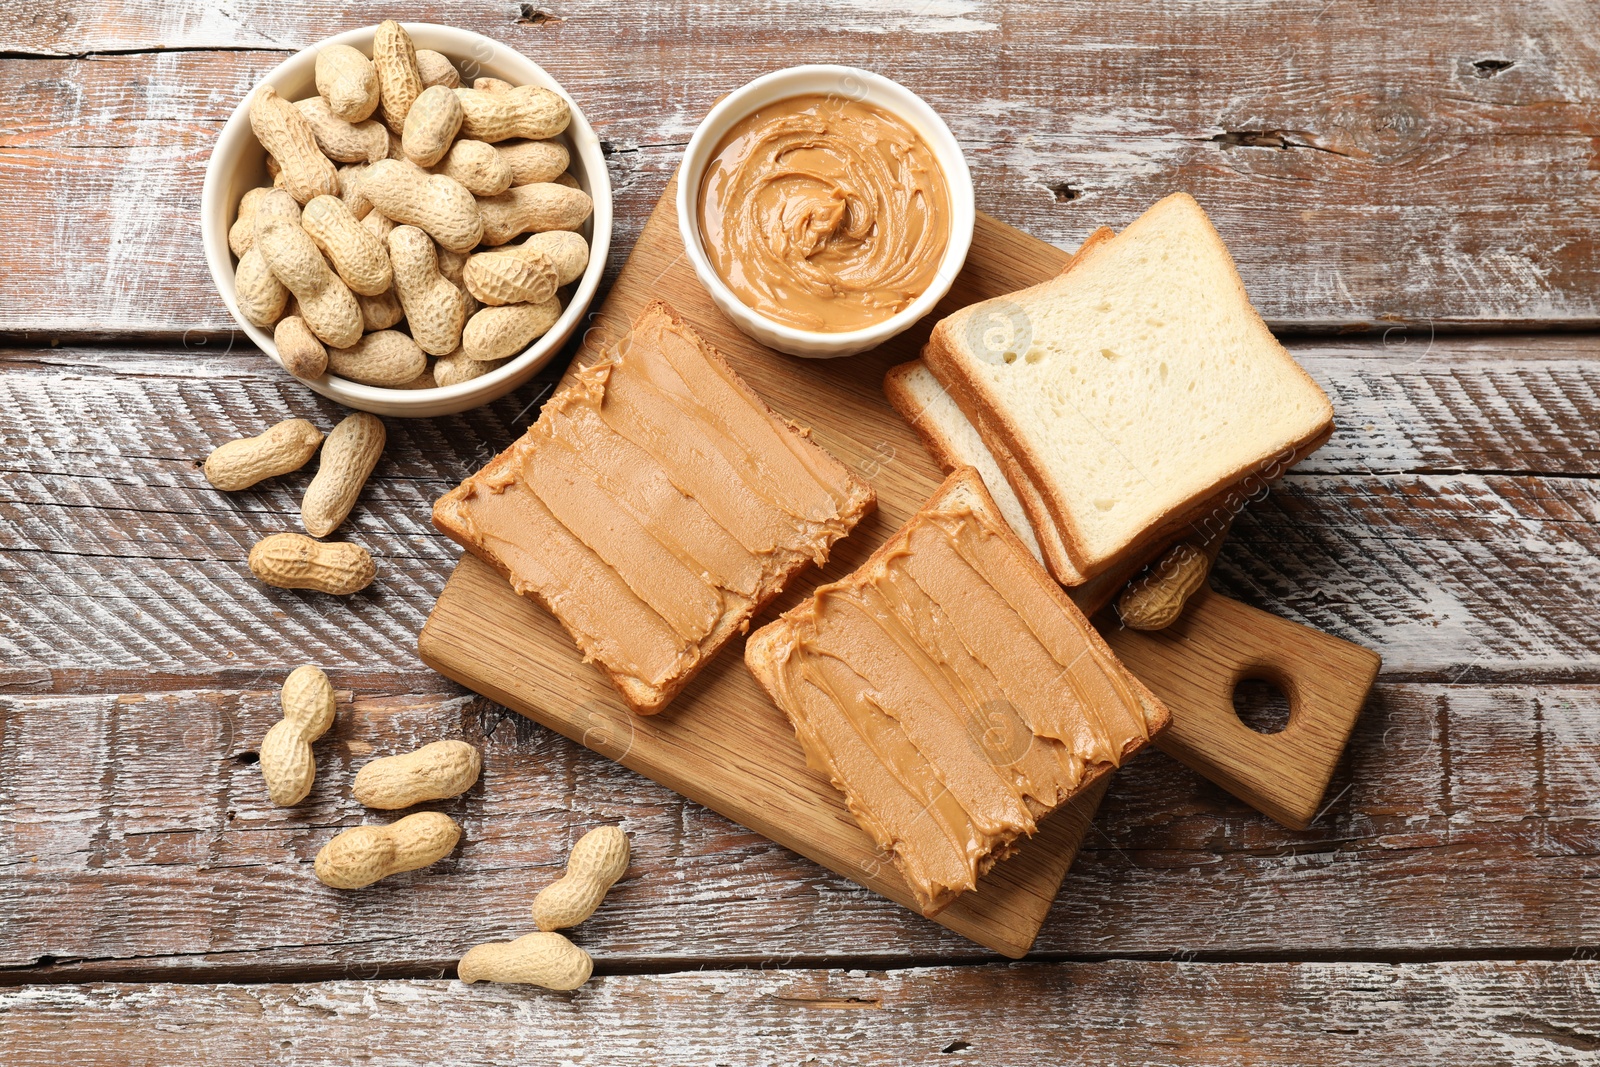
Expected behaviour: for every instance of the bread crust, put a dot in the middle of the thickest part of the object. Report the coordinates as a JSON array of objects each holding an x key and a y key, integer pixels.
[
  {"x": 762, "y": 650},
  {"x": 641, "y": 697},
  {"x": 1023, "y": 465}
]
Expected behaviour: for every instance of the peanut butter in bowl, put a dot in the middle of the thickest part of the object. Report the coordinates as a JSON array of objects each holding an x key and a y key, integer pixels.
[{"x": 825, "y": 213}]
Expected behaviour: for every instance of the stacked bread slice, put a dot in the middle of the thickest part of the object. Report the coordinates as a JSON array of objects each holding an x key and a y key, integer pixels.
[{"x": 1134, "y": 396}]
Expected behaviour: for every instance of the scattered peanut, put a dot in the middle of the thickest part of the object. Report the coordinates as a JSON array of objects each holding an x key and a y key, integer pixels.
[
  {"x": 364, "y": 854},
  {"x": 524, "y": 208},
  {"x": 242, "y": 463},
  {"x": 477, "y": 166},
  {"x": 348, "y": 81},
  {"x": 326, "y": 303},
  {"x": 439, "y": 205},
  {"x": 287, "y": 763},
  {"x": 534, "y": 161},
  {"x": 284, "y": 132},
  {"x": 260, "y": 295},
  {"x": 516, "y": 274},
  {"x": 1156, "y": 600},
  {"x": 341, "y": 141},
  {"x": 358, "y": 257},
  {"x": 457, "y": 368},
  {"x": 242, "y": 234},
  {"x": 522, "y": 111},
  {"x": 438, "y": 771},
  {"x": 542, "y": 959},
  {"x": 435, "y": 308},
  {"x": 492, "y": 85},
  {"x": 436, "y": 69},
  {"x": 431, "y": 126},
  {"x": 384, "y": 358},
  {"x": 399, "y": 80},
  {"x": 598, "y": 859},
  {"x": 348, "y": 456},
  {"x": 301, "y": 354},
  {"x": 502, "y": 332},
  {"x": 295, "y": 561}
]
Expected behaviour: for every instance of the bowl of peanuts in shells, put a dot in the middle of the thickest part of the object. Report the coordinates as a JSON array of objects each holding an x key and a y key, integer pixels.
[{"x": 411, "y": 219}]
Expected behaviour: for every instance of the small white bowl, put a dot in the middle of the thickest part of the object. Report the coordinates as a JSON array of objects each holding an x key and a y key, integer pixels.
[
  {"x": 238, "y": 163},
  {"x": 855, "y": 84}
]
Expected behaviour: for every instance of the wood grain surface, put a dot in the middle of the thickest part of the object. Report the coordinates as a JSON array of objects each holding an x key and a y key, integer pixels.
[
  {"x": 1404, "y": 170},
  {"x": 722, "y": 744},
  {"x": 1449, "y": 523},
  {"x": 140, "y": 844},
  {"x": 1355, "y": 1014},
  {"x": 1368, "y": 164}
]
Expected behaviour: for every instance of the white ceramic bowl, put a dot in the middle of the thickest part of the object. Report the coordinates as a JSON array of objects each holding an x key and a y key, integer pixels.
[
  {"x": 855, "y": 84},
  {"x": 238, "y": 163}
]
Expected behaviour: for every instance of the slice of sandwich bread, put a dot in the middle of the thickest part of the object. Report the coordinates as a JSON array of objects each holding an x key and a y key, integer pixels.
[
  {"x": 950, "y": 690},
  {"x": 1123, "y": 396}
]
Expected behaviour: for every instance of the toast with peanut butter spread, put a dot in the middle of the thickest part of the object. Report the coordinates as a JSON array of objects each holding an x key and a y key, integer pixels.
[
  {"x": 654, "y": 507},
  {"x": 952, "y": 692}
]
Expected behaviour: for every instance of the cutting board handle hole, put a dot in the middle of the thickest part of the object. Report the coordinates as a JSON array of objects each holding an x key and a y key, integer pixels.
[{"x": 1261, "y": 704}]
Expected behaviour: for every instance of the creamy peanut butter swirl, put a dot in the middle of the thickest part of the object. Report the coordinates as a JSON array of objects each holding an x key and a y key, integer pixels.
[
  {"x": 655, "y": 502},
  {"x": 953, "y": 698},
  {"x": 825, "y": 214}
]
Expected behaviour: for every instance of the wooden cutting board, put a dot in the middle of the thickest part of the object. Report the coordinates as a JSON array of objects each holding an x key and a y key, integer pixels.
[{"x": 721, "y": 743}]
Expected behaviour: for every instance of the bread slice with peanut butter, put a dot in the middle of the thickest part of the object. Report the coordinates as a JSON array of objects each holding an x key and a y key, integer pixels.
[
  {"x": 654, "y": 507},
  {"x": 952, "y": 692}
]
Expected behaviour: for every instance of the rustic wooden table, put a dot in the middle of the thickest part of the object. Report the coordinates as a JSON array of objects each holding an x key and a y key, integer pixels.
[{"x": 1411, "y": 193}]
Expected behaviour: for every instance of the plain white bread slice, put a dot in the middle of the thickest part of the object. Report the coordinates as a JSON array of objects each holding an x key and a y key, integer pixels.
[{"x": 1133, "y": 387}]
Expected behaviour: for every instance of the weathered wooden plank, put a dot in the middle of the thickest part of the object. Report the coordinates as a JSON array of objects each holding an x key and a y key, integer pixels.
[
  {"x": 1217, "y": 1015},
  {"x": 1464, "y": 819},
  {"x": 1367, "y": 163},
  {"x": 118, "y": 556}
]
